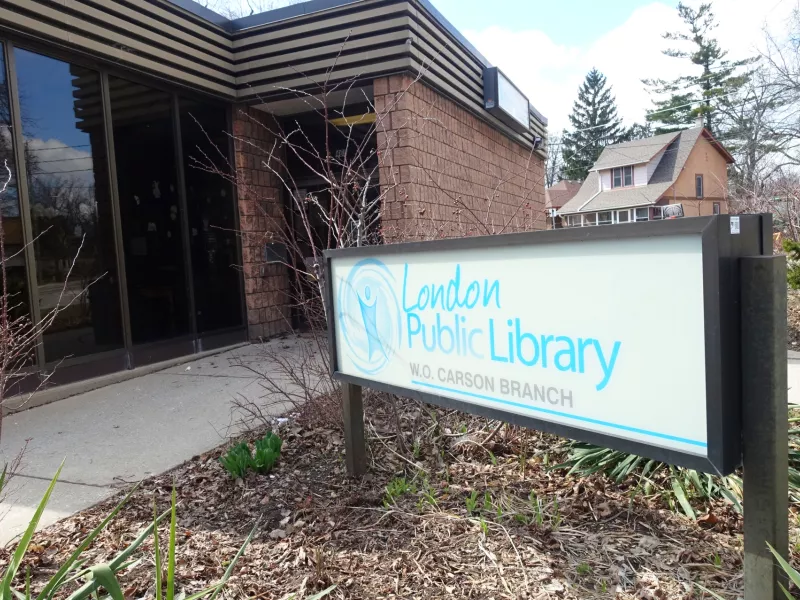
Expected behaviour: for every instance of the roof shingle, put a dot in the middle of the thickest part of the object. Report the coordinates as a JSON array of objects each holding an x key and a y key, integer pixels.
[
  {"x": 589, "y": 199},
  {"x": 634, "y": 152}
]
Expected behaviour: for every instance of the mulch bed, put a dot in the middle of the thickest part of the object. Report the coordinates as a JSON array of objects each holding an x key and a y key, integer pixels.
[{"x": 533, "y": 532}]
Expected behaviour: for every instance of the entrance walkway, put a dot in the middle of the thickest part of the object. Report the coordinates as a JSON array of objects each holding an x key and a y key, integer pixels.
[{"x": 124, "y": 432}]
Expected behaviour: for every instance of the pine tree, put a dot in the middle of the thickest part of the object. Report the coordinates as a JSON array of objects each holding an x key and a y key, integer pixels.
[
  {"x": 637, "y": 131},
  {"x": 595, "y": 125},
  {"x": 693, "y": 96}
]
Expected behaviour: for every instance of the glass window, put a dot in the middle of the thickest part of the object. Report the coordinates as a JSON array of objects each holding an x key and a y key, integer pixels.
[
  {"x": 18, "y": 301},
  {"x": 212, "y": 224},
  {"x": 150, "y": 211},
  {"x": 716, "y": 208},
  {"x": 590, "y": 219},
  {"x": 657, "y": 212},
  {"x": 622, "y": 177},
  {"x": 70, "y": 204},
  {"x": 698, "y": 186},
  {"x": 604, "y": 218},
  {"x": 623, "y": 216},
  {"x": 616, "y": 178},
  {"x": 642, "y": 214}
]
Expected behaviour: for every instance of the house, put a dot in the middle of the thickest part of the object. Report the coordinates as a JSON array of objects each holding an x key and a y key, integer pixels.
[
  {"x": 638, "y": 180},
  {"x": 110, "y": 107},
  {"x": 556, "y": 196}
]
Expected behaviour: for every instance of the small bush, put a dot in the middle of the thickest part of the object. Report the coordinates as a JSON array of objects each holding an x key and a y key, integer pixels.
[
  {"x": 792, "y": 250},
  {"x": 239, "y": 458}
]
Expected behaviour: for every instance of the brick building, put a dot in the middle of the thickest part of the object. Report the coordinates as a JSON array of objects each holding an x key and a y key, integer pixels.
[{"x": 118, "y": 109}]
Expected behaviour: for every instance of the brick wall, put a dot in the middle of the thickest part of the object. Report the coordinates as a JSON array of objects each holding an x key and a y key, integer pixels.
[
  {"x": 447, "y": 173},
  {"x": 260, "y": 218}
]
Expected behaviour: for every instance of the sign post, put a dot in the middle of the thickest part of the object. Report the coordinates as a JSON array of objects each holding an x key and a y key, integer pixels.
[
  {"x": 764, "y": 424},
  {"x": 665, "y": 339},
  {"x": 355, "y": 447}
]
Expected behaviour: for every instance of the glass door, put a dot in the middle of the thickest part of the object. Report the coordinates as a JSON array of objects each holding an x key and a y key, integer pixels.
[
  {"x": 213, "y": 227},
  {"x": 70, "y": 206},
  {"x": 149, "y": 205}
]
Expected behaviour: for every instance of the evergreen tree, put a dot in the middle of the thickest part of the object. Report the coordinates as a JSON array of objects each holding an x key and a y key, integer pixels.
[
  {"x": 637, "y": 131},
  {"x": 693, "y": 96},
  {"x": 595, "y": 125}
]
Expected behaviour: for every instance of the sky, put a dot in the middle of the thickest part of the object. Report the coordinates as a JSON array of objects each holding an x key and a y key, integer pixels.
[{"x": 547, "y": 46}]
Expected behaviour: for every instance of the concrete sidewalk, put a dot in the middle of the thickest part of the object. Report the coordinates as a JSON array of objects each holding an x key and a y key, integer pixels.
[{"x": 125, "y": 432}]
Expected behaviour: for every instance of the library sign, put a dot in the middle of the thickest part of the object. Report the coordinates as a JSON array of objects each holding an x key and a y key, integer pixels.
[{"x": 623, "y": 336}]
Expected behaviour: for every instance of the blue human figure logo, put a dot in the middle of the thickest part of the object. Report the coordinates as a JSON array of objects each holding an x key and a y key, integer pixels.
[{"x": 369, "y": 314}]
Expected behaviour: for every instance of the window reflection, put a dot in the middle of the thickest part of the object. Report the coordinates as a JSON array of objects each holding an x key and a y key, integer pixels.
[
  {"x": 212, "y": 225},
  {"x": 65, "y": 157},
  {"x": 150, "y": 211},
  {"x": 9, "y": 205}
]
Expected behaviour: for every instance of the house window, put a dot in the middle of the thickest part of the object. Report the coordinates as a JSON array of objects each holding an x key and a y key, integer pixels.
[
  {"x": 658, "y": 212},
  {"x": 623, "y": 216},
  {"x": 642, "y": 214},
  {"x": 589, "y": 220},
  {"x": 716, "y": 208},
  {"x": 622, "y": 177},
  {"x": 605, "y": 218},
  {"x": 698, "y": 186}
]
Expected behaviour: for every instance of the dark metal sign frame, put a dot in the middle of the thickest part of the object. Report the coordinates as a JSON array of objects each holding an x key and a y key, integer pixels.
[{"x": 721, "y": 250}]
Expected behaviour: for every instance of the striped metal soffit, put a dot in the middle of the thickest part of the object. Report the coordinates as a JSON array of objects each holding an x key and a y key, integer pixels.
[{"x": 262, "y": 58}]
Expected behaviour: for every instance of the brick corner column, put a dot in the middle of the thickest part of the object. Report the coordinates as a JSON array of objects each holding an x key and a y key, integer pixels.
[{"x": 266, "y": 286}]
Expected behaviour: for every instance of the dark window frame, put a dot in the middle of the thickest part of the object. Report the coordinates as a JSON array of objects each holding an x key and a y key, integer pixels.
[{"x": 699, "y": 186}]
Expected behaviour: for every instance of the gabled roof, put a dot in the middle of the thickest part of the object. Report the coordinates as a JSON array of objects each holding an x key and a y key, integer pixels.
[
  {"x": 591, "y": 199},
  {"x": 634, "y": 152},
  {"x": 559, "y": 194}
]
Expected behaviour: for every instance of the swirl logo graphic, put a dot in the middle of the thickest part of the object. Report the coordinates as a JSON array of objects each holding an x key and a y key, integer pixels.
[{"x": 369, "y": 315}]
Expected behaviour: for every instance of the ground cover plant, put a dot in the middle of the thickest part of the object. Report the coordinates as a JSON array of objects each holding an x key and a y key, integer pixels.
[{"x": 261, "y": 459}]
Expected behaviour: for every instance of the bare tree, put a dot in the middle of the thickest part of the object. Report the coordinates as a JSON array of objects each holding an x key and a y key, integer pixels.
[
  {"x": 234, "y": 9},
  {"x": 780, "y": 196},
  {"x": 350, "y": 153},
  {"x": 19, "y": 335},
  {"x": 555, "y": 161}
]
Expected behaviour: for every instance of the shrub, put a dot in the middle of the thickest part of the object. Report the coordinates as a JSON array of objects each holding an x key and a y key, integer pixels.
[
  {"x": 75, "y": 571},
  {"x": 792, "y": 250}
]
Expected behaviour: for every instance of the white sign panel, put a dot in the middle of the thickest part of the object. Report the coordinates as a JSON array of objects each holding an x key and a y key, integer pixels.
[
  {"x": 511, "y": 100},
  {"x": 627, "y": 336},
  {"x": 574, "y": 334}
]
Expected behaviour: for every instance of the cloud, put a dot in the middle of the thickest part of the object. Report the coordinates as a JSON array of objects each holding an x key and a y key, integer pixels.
[{"x": 551, "y": 73}]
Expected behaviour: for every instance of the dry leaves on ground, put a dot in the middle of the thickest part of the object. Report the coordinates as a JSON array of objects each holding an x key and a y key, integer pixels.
[{"x": 464, "y": 517}]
